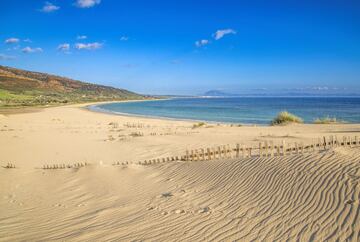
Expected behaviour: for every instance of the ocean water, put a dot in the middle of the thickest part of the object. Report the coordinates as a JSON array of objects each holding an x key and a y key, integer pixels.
[{"x": 244, "y": 110}]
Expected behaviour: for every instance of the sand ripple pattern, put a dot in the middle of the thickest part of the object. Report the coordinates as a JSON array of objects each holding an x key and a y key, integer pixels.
[{"x": 310, "y": 197}]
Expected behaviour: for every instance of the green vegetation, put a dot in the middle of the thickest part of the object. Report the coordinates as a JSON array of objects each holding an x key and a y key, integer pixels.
[
  {"x": 198, "y": 125},
  {"x": 326, "y": 120},
  {"x": 285, "y": 118},
  {"x": 25, "y": 88}
]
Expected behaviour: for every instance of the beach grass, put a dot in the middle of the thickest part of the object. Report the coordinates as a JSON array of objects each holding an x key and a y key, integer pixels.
[
  {"x": 198, "y": 125},
  {"x": 326, "y": 120},
  {"x": 285, "y": 117}
]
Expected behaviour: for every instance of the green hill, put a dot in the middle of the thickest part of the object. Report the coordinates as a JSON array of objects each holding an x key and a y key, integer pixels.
[{"x": 27, "y": 88}]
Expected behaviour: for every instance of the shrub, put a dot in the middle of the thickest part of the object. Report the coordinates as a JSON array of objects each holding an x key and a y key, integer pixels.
[
  {"x": 285, "y": 118},
  {"x": 326, "y": 120},
  {"x": 198, "y": 125}
]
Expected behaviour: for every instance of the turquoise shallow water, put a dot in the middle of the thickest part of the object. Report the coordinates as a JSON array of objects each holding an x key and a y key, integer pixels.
[{"x": 246, "y": 110}]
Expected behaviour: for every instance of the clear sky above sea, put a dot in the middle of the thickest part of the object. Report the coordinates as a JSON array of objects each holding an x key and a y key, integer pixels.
[{"x": 187, "y": 47}]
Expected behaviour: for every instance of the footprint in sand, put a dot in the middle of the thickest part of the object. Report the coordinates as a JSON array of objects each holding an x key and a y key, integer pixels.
[
  {"x": 204, "y": 210},
  {"x": 9, "y": 196},
  {"x": 349, "y": 201},
  {"x": 165, "y": 195},
  {"x": 58, "y": 205},
  {"x": 179, "y": 211}
]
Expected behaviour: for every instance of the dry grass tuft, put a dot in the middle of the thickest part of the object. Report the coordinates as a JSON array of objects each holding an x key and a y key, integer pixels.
[
  {"x": 285, "y": 118},
  {"x": 198, "y": 125},
  {"x": 326, "y": 120}
]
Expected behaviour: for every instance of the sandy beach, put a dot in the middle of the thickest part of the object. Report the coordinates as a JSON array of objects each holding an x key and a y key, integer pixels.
[{"x": 313, "y": 196}]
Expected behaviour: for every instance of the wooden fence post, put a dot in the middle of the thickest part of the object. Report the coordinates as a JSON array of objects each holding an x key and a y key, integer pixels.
[
  {"x": 313, "y": 145},
  {"x": 260, "y": 149},
  {"x": 271, "y": 148},
  {"x": 266, "y": 149},
  {"x": 237, "y": 150},
  {"x": 284, "y": 147},
  {"x": 336, "y": 141}
]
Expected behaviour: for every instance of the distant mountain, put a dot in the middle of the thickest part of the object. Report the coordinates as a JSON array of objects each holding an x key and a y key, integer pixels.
[
  {"x": 217, "y": 93},
  {"x": 27, "y": 88},
  {"x": 284, "y": 93}
]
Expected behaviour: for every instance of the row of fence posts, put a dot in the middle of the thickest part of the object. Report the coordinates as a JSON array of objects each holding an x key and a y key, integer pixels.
[
  {"x": 161, "y": 160},
  {"x": 268, "y": 149},
  {"x": 63, "y": 166},
  {"x": 265, "y": 149}
]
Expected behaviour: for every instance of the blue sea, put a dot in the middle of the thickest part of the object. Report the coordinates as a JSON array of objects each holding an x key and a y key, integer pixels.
[{"x": 241, "y": 110}]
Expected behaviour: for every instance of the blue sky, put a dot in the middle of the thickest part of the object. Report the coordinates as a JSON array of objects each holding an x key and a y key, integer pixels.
[{"x": 187, "y": 47}]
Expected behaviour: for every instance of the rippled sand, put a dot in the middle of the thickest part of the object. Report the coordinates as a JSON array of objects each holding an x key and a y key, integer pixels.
[{"x": 306, "y": 197}]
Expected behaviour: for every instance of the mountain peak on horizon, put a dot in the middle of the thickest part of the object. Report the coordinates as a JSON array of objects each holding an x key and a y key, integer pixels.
[{"x": 217, "y": 93}]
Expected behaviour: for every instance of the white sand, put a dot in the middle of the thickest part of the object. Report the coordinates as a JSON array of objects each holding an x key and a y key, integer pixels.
[{"x": 298, "y": 197}]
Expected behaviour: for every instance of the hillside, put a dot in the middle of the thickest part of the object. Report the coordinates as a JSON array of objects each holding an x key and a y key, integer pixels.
[{"x": 27, "y": 88}]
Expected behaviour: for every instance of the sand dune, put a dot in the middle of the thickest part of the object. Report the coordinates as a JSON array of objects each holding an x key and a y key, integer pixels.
[{"x": 301, "y": 197}]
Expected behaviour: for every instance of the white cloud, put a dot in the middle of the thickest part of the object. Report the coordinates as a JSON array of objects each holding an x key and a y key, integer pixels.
[
  {"x": 31, "y": 50},
  {"x": 87, "y": 3},
  {"x": 49, "y": 7},
  {"x": 12, "y": 41},
  {"x": 202, "y": 42},
  {"x": 89, "y": 46},
  {"x": 27, "y": 40},
  {"x": 64, "y": 47},
  {"x": 81, "y": 37},
  {"x": 7, "y": 57},
  {"x": 222, "y": 32},
  {"x": 124, "y": 38}
]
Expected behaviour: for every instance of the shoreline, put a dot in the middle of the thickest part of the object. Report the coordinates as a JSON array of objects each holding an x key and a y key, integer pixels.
[
  {"x": 94, "y": 107},
  {"x": 130, "y": 115},
  {"x": 88, "y": 107}
]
